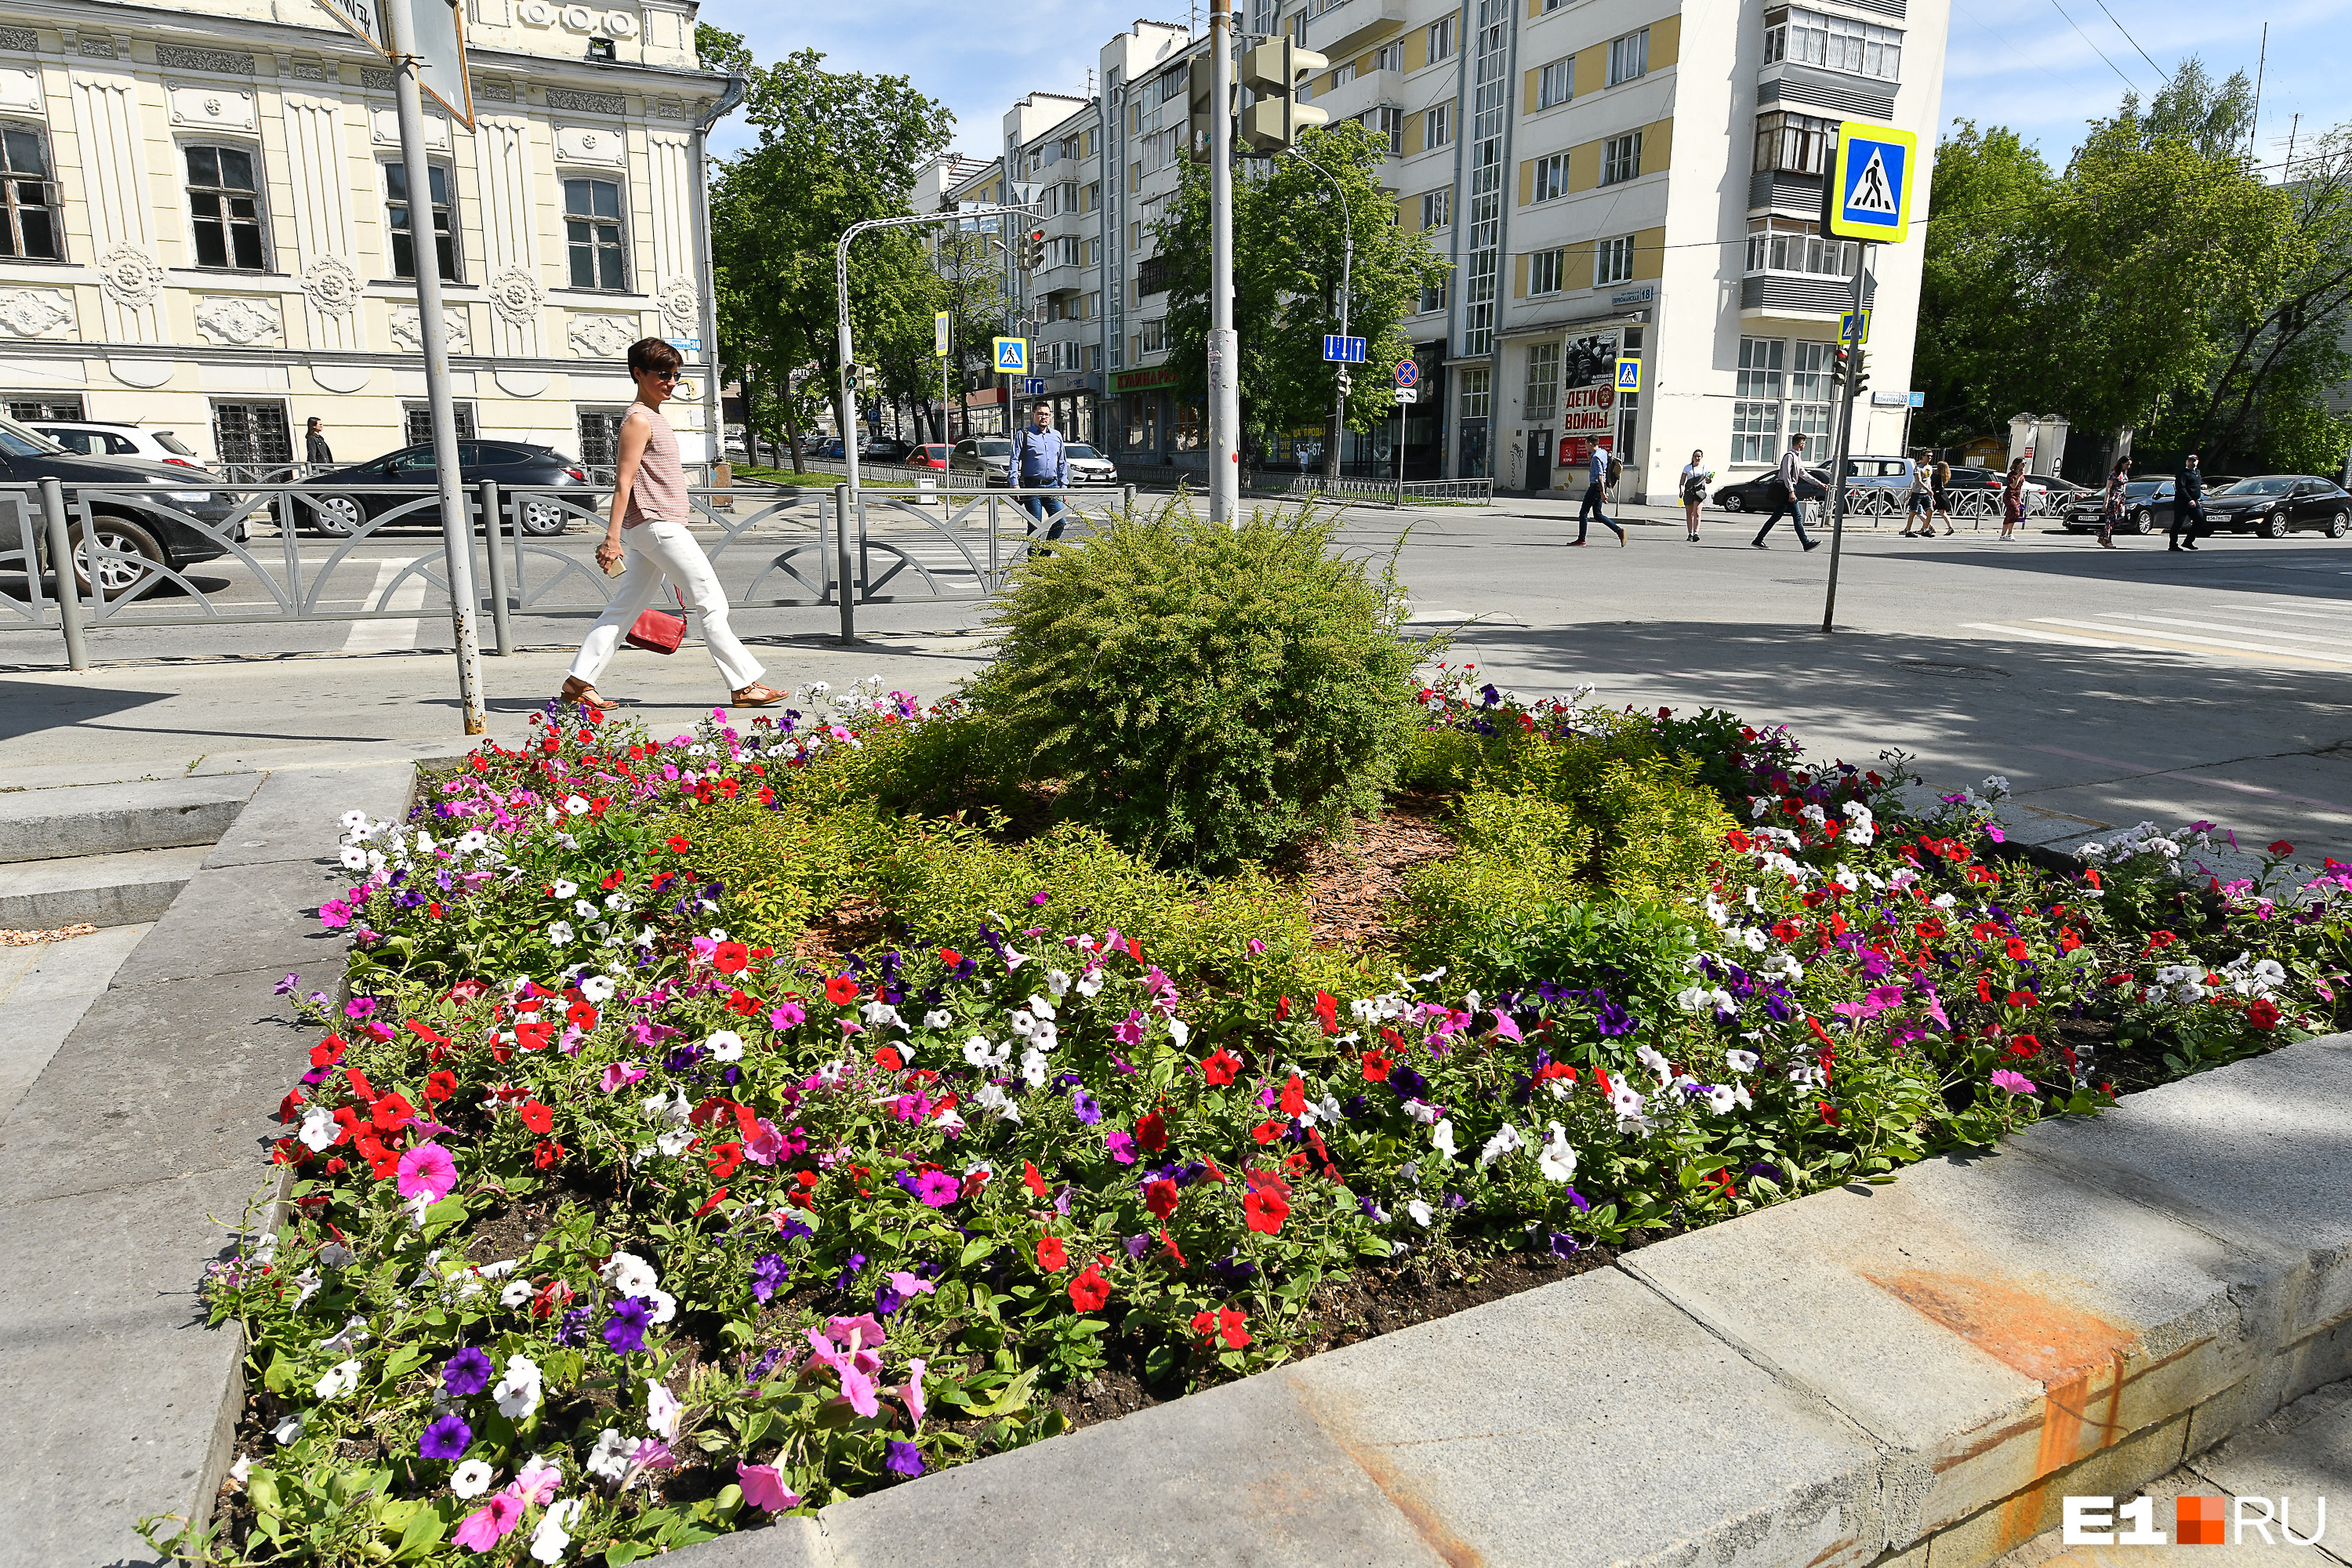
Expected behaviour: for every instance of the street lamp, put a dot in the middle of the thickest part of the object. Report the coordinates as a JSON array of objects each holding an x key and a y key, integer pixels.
[{"x": 1347, "y": 272}]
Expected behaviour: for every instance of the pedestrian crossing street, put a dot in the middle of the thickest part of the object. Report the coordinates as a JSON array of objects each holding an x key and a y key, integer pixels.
[{"x": 2292, "y": 633}]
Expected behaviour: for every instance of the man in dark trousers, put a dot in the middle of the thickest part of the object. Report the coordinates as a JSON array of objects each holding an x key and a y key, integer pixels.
[
  {"x": 2187, "y": 505},
  {"x": 314, "y": 443},
  {"x": 1596, "y": 495},
  {"x": 1788, "y": 495}
]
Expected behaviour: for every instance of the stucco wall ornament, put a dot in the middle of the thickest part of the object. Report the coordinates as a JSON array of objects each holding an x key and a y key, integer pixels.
[
  {"x": 515, "y": 295},
  {"x": 234, "y": 318},
  {"x": 681, "y": 306},
  {"x": 130, "y": 276},
  {"x": 33, "y": 312},
  {"x": 407, "y": 331},
  {"x": 331, "y": 285},
  {"x": 602, "y": 337}
]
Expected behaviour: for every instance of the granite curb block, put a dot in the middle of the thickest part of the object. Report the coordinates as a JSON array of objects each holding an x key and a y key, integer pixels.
[
  {"x": 1911, "y": 1375},
  {"x": 134, "y": 1158}
]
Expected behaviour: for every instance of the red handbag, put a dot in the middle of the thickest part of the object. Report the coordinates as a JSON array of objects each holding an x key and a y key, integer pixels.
[{"x": 659, "y": 631}]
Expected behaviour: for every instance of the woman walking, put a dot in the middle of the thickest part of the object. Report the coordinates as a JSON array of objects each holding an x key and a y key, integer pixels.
[
  {"x": 2112, "y": 512},
  {"x": 1941, "y": 480},
  {"x": 648, "y": 532},
  {"x": 2012, "y": 498},
  {"x": 1697, "y": 476}
]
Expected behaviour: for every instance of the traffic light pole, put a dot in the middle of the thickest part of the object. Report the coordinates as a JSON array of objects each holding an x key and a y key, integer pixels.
[
  {"x": 1850, "y": 352},
  {"x": 1224, "y": 344}
]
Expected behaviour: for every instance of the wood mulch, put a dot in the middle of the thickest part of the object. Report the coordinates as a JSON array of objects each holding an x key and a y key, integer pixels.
[
  {"x": 1352, "y": 884},
  {"x": 34, "y": 938}
]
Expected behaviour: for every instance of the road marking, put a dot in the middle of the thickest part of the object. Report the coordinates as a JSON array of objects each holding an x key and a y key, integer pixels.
[
  {"x": 2109, "y": 636},
  {"x": 2133, "y": 636},
  {"x": 2030, "y": 635},
  {"x": 2215, "y": 626},
  {"x": 387, "y": 637}
]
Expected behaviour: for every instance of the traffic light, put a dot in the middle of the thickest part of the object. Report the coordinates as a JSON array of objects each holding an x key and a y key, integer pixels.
[
  {"x": 1861, "y": 372},
  {"x": 1029, "y": 251},
  {"x": 1271, "y": 70},
  {"x": 1201, "y": 88},
  {"x": 1841, "y": 365}
]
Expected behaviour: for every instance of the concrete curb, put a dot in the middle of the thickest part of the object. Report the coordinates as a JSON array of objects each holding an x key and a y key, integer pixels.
[
  {"x": 137, "y": 1157},
  {"x": 1912, "y": 1374}
]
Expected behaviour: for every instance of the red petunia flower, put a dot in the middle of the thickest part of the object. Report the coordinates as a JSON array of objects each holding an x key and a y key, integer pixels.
[
  {"x": 2017, "y": 949},
  {"x": 841, "y": 990},
  {"x": 392, "y": 1113},
  {"x": 1829, "y": 1113},
  {"x": 1265, "y": 1212},
  {"x": 440, "y": 1086},
  {"x": 1032, "y": 1180},
  {"x": 2023, "y": 1044},
  {"x": 1376, "y": 1066},
  {"x": 1281, "y": 1008},
  {"x": 710, "y": 1203},
  {"x": 1294, "y": 1096},
  {"x": 1219, "y": 1070},
  {"x": 2282, "y": 848},
  {"x": 888, "y": 1059},
  {"x": 951, "y": 958},
  {"x": 327, "y": 1052},
  {"x": 725, "y": 1159},
  {"x": 2262, "y": 1013},
  {"x": 1327, "y": 1011},
  {"x": 1159, "y": 1196},
  {"x": 581, "y": 1016},
  {"x": 1052, "y": 1255},
  {"x": 1089, "y": 1290},
  {"x": 547, "y": 1152},
  {"x": 678, "y": 843},
  {"x": 1152, "y": 1133},
  {"x": 538, "y": 1118},
  {"x": 731, "y": 957},
  {"x": 532, "y": 1034},
  {"x": 1267, "y": 1132}
]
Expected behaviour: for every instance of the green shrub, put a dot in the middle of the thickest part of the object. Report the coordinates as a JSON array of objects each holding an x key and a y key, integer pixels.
[
  {"x": 782, "y": 866},
  {"x": 1206, "y": 694},
  {"x": 1659, "y": 828}
]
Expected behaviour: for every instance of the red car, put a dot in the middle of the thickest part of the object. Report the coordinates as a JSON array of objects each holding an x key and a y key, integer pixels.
[{"x": 933, "y": 456}]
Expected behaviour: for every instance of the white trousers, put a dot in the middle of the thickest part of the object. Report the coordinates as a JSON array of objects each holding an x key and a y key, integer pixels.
[{"x": 659, "y": 551}]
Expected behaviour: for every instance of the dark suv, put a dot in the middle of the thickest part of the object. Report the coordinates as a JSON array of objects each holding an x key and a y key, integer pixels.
[
  {"x": 153, "y": 530},
  {"x": 513, "y": 464}
]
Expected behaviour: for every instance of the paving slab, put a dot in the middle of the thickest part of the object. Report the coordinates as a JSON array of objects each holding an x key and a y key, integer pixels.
[
  {"x": 114, "y": 1391},
  {"x": 99, "y": 819},
  {"x": 2300, "y": 1454},
  {"x": 239, "y": 918},
  {"x": 80, "y": 966},
  {"x": 294, "y": 813},
  {"x": 131, "y": 887},
  {"x": 155, "y": 1081},
  {"x": 30, "y": 1034},
  {"x": 1990, "y": 1323}
]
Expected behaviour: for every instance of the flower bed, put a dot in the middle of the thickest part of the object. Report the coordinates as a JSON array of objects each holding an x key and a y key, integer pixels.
[{"x": 703, "y": 1137}]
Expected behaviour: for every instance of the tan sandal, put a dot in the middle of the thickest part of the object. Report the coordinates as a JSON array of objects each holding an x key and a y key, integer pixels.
[
  {"x": 576, "y": 690},
  {"x": 758, "y": 696}
]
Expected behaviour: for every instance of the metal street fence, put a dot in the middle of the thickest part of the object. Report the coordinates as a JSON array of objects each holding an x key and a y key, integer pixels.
[
  {"x": 1966, "y": 506},
  {"x": 159, "y": 556}
]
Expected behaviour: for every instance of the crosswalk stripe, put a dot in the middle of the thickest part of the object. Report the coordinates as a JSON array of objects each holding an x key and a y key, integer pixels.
[
  {"x": 2242, "y": 631},
  {"x": 2132, "y": 636}
]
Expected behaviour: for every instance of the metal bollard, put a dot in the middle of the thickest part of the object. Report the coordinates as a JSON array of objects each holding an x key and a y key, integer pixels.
[
  {"x": 501, "y": 625},
  {"x": 53, "y": 507},
  {"x": 846, "y": 586},
  {"x": 1127, "y": 500}
]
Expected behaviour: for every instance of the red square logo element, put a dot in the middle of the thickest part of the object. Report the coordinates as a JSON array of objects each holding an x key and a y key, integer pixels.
[{"x": 2196, "y": 1522}]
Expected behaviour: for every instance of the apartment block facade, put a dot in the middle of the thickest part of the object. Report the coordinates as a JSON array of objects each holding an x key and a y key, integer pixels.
[{"x": 1607, "y": 178}]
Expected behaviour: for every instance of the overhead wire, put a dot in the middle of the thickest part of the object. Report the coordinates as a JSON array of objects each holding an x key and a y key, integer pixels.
[
  {"x": 2134, "y": 43},
  {"x": 2094, "y": 49}
]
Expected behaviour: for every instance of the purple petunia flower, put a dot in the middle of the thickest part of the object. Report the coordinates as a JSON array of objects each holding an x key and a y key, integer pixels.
[
  {"x": 937, "y": 1188},
  {"x": 793, "y": 1230},
  {"x": 573, "y": 1329},
  {"x": 466, "y": 1374},
  {"x": 445, "y": 1438},
  {"x": 1089, "y": 1111},
  {"x": 769, "y": 1273},
  {"x": 1563, "y": 1244},
  {"x": 903, "y": 1457},
  {"x": 1583, "y": 1205},
  {"x": 624, "y": 1329},
  {"x": 848, "y": 1275},
  {"x": 1137, "y": 1245},
  {"x": 287, "y": 986}
]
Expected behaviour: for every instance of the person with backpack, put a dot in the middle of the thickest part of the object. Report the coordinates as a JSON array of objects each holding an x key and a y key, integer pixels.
[
  {"x": 2111, "y": 512},
  {"x": 1789, "y": 491},
  {"x": 1602, "y": 472},
  {"x": 1695, "y": 477}
]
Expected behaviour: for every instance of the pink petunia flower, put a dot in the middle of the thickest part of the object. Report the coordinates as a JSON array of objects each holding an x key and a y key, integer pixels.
[
  {"x": 538, "y": 1480},
  {"x": 764, "y": 1487},
  {"x": 491, "y": 1523},
  {"x": 428, "y": 1172},
  {"x": 910, "y": 1393},
  {"x": 2014, "y": 1082},
  {"x": 620, "y": 1075}
]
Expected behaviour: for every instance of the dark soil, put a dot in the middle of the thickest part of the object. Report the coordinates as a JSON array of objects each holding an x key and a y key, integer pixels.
[
  {"x": 856, "y": 926},
  {"x": 1353, "y": 885}
]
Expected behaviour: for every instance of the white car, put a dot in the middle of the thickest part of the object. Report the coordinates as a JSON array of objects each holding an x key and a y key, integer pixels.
[
  {"x": 95, "y": 438},
  {"x": 1088, "y": 466}
]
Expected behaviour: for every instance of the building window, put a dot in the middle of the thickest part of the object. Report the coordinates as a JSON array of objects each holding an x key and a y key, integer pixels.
[
  {"x": 1437, "y": 126},
  {"x": 1153, "y": 338},
  {"x": 225, "y": 200},
  {"x": 35, "y": 406},
  {"x": 591, "y": 230},
  {"x": 396, "y": 218},
  {"x": 1171, "y": 83},
  {"x": 1555, "y": 83},
  {"x": 417, "y": 423},
  {"x": 1552, "y": 177},
  {"x": 1757, "y": 388},
  {"x": 1477, "y": 397},
  {"x": 1388, "y": 124},
  {"x": 1834, "y": 43},
  {"x": 1612, "y": 261},
  {"x": 1629, "y": 57},
  {"x": 1432, "y": 299},
  {"x": 252, "y": 433},
  {"x": 1621, "y": 158},
  {"x": 1543, "y": 383},
  {"x": 600, "y": 437},
  {"x": 1794, "y": 143},
  {"x": 1544, "y": 270},
  {"x": 1389, "y": 58},
  {"x": 1437, "y": 207},
  {"x": 1441, "y": 41},
  {"x": 1790, "y": 244},
  {"x": 1151, "y": 278},
  {"x": 31, "y": 227}
]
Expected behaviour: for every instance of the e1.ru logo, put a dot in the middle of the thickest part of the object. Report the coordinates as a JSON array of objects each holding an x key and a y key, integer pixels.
[{"x": 2195, "y": 1521}]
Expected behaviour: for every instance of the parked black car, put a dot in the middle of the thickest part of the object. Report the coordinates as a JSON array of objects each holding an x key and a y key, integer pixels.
[
  {"x": 124, "y": 527},
  {"x": 2274, "y": 505},
  {"x": 2147, "y": 505},
  {"x": 340, "y": 513},
  {"x": 1758, "y": 494}
]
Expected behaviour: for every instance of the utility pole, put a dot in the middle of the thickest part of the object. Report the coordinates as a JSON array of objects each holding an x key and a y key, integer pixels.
[
  {"x": 1224, "y": 344},
  {"x": 1849, "y": 376},
  {"x": 432, "y": 331}
]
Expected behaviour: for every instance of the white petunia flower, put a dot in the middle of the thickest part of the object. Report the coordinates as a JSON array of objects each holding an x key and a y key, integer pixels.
[
  {"x": 938, "y": 1018},
  {"x": 610, "y": 1459},
  {"x": 552, "y": 1538},
  {"x": 1057, "y": 981},
  {"x": 518, "y": 1392},
  {"x": 286, "y": 1431},
  {"x": 518, "y": 1293},
  {"x": 1090, "y": 984},
  {"x": 726, "y": 1046},
  {"x": 989, "y": 1097},
  {"x": 1023, "y": 1023},
  {"x": 1419, "y": 1210},
  {"x": 598, "y": 988},
  {"x": 1506, "y": 1140},
  {"x": 559, "y": 934},
  {"x": 1046, "y": 1035},
  {"x": 319, "y": 1129},
  {"x": 985, "y": 1055},
  {"x": 630, "y": 1275},
  {"x": 1556, "y": 1160},
  {"x": 471, "y": 1478},
  {"x": 1034, "y": 1067},
  {"x": 337, "y": 1380},
  {"x": 1178, "y": 1031},
  {"x": 1721, "y": 1099},
  {"x": 1442, "y": 1137},
  {"x": 563, "y": 890},
  {"x": 1739, "y": 1060},
  {"x": 676, "y": 1141}
]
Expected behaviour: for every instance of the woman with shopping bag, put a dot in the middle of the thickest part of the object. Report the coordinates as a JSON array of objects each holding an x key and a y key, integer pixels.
[{"x": 648, "y": 544}]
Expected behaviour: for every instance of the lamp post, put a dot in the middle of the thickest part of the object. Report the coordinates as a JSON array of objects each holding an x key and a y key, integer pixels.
[{"x": 1347, "y": 279}]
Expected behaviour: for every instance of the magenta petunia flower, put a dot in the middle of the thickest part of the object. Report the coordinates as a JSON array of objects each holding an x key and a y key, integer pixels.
[
  {"x": 491, "y": 1523},
  {"x": 937, "y": 1188},
  {"x": 2014, "y": 1082},
  {"x": 764, "y": 1487},
  {"x": 428, "y": 1171}
]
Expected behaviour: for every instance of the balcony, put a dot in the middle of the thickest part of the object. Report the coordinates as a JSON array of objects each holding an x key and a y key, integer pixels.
[
  {"x": 1810, "y": 86},
  {"x": 1349, "y": 28},
  {"x": 1368, "y": 90}
]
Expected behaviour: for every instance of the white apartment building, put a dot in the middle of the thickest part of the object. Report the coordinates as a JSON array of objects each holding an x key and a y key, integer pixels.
[
  {"x": 209, "y": 229},
  {"x": 1054, "y": 143},
  {"x": 1607, "y": 177}
]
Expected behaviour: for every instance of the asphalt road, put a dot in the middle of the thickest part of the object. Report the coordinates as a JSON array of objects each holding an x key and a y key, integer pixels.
[{"x": 2107, "y": 685}]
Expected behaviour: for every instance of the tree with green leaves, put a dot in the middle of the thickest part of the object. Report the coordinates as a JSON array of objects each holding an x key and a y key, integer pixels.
[
  {"x": 833, "y": 149},
  {"x": 1981, "y": 292},
  {"x": 1290, "y": 229}
]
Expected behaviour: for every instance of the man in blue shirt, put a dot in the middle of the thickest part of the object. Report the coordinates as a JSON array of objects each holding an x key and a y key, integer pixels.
[
  {"x": 1596, "y": 495},
  {"x": 1040, "y": 460}
]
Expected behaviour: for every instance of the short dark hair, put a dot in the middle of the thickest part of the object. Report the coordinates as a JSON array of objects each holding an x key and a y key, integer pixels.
[
  {"x": 653, "y": 355},
  {"x": 1798, "y": 439},
  {"x": 314, "y": 419},
  {"x": 1041, "y": 408}
]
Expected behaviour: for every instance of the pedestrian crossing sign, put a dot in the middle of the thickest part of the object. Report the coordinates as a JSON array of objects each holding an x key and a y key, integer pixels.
[
  {"x": 1629, "y": 376},
  {"x": 1872, "y": 183},
  {"x": 1013, "y": 356}
]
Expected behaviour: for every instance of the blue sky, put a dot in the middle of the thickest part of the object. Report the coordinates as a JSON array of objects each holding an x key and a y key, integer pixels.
[{"x": 2021, "y": 63}]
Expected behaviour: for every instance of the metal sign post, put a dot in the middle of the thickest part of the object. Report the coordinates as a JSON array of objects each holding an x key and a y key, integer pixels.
[
  {"x": 1225, "y": 342},
  {"x": 432, "y": 329},
  {"x": 1867, "y": 197}
]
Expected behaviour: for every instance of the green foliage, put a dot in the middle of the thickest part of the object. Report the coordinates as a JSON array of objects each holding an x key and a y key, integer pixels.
[{"x": 1206, "y": 694}]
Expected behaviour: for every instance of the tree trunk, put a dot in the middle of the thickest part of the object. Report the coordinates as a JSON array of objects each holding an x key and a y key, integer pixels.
[{"x": 792, "y": 461}]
